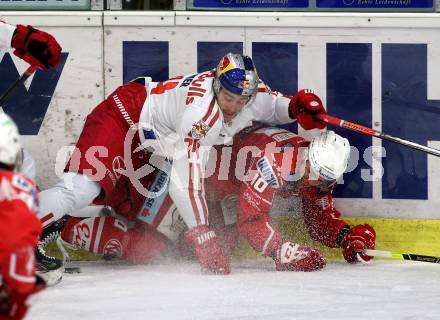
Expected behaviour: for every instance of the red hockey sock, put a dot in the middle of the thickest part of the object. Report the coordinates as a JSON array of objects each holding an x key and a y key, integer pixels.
[{"x": 111, "y": 237}]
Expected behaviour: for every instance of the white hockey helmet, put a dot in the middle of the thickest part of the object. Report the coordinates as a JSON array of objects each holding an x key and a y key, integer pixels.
[
  {"x": 237, "y": 74},
  {"x": 10, "y": 146},
  {"x": 328, "y": 155}
]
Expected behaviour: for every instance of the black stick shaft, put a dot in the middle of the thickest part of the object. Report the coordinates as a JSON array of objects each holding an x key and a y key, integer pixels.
[
  {"x": 371, "y": 132},
  {"x": 402, "y": 256},
  {"x": 5, "y": 96}
]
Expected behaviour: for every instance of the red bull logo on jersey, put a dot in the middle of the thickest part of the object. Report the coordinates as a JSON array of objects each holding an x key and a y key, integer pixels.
[{"x": 199, "y": 130}]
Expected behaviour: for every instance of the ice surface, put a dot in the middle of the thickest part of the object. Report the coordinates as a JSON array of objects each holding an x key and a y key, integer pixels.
[{"x": 380, "y": 290}]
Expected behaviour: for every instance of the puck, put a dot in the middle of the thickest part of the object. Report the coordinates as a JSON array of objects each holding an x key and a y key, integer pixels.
[{"x": 72, "y": 270}]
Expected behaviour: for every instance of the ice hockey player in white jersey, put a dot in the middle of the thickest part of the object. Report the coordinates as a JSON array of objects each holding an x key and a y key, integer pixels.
[
  {"x": 36, "y": 47},
  {"x": 176, "y": 121}
]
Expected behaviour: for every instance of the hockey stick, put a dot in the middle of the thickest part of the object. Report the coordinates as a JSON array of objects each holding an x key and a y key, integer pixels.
[
  {"x": 29, "y": 71},
  {"x": 401, "y": 256},
  {"x": 371, "y": 132}
]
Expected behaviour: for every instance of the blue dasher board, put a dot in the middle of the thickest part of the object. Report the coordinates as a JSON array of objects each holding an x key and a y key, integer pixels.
[
  {"x": 314, "y": 5},
  {"x": 391, "y": 5},
  {"x": 248, "y": 4}
]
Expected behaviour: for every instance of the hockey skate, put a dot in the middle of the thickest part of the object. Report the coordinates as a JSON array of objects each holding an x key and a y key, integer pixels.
[{"x": 50, "y": 268}]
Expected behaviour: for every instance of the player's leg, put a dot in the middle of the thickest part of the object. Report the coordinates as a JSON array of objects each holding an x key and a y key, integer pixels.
[
  {"x": 99, "y": 153},
  {"x": 112, "y": 238},
  {"x": 74, "y": 191},
  {"x": 89, "y": 177},
  {"x": 222, "y": 219}
]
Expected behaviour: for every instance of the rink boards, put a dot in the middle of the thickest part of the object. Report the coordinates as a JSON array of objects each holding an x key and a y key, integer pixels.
[
  {"x": 418, "y": 236},
  {"x": 379, "y": 70}
]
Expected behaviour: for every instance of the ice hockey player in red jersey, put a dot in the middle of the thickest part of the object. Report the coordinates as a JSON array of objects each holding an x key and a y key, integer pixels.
[
  {"x": 284, "y": 164},
  {"x": 36, "y": 47},
  {"x": 243, "y": 189},
  {"x": 179, "y": 120},
  {"x": 19, "y": 227}
]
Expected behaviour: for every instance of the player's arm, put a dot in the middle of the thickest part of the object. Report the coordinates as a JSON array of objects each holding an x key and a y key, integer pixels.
[
  {"x": 36, "y": 47},
  {"x": 276, "y": 108},
  {"x": 14, "y": 304},
  {"x": 255, "y": 225},
  {"x": 198, "y": 130},
  {"x": 254, "y": 221},
  {"x": 325, "y": 225}
]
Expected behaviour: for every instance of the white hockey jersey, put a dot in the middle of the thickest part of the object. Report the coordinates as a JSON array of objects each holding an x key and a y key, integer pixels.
[{"x": 181, "y": 120}]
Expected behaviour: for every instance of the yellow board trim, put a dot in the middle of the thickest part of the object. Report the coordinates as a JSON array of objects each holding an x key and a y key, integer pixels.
[{"x": 418, "y": 236}]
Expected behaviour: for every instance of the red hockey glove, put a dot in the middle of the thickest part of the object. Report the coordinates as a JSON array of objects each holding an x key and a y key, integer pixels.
[
  {"x": 293, "y": 257},
  {"x": 304, "y": 106},
  {"x": 36, "y": 47},
  {"x": 358, "y": 238},
  {"x": 13, "y": 304},
  {"x": 207, "y": 249}
]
